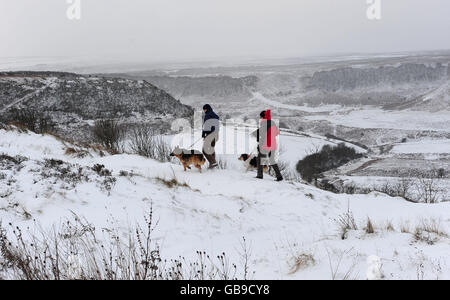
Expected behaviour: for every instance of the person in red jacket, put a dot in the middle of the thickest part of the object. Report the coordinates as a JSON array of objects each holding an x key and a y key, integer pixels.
[{"x": 267, "y": 144}]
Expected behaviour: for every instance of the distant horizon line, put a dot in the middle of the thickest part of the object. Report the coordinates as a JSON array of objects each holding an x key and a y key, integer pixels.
[
  {"x": 121, "y": 59},
  {"x": 74, "y": 64}
]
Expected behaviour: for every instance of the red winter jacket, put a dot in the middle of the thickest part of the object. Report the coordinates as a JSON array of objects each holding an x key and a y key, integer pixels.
[{"x": 272, "y": 131}]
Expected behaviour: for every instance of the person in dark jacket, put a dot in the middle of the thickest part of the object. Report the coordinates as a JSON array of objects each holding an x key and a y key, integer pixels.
[
  {"x": 266, "y": 136},
  {"x": 210, "y": 135}
]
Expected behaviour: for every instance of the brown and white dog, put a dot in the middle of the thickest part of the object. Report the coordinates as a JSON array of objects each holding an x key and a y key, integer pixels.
[
  {"x": 251, "y": 162},
  {"x": 189, "y": 158}
]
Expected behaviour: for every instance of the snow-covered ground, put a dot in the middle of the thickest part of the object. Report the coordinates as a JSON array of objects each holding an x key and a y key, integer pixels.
[
  {"x": 441, "y": 92},
  {"x": 378, "y": 118},
  {"x": 424, "y": 146},
  {"x": 215, "y": 209}
]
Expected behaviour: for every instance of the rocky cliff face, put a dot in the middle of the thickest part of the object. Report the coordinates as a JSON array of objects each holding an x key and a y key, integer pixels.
[
  {"x": 217, "y": 87},
  {"x": 354, "y": 78}
]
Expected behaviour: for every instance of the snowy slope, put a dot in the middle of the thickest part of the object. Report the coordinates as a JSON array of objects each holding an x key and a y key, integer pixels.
[
  {"x": 214, "y": 210},
  {"x": 425, "y": 146},
  {"x": 438, "y": 99}
]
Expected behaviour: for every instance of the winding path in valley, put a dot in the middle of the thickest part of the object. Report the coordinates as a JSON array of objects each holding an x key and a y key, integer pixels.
[{"x": 260, "y": 97}]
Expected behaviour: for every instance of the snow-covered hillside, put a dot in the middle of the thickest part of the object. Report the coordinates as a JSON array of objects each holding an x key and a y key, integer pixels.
[
  {"x": 292, "y": 227},
  {"x": 438, "y": 99},
  {"x": 72, "y": 102}
]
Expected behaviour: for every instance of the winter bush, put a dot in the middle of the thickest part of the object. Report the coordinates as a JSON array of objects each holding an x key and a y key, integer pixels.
[
  {"x": 146, "y": 142},
  {"x": 101, "y": 170},
  {"x": 68, "y": 173},
  {"x": 346, "y": 222},
  {"x": 350, "y": 189},
  {"x": 420, "y": 187},
  {"x": 8, "y": 162},
  {"x": 109, "y": 134},
  {"x": 441, "y": 173},
  {"x": 428, "y": 190},
  {"x": 330, "y": 157},
  {"x": 326, "y": 185},
  {"x": 402, "y": 188},
  {"x": 124, "y": 173},
  {"x": 108, "y": 181},
  {"x": 31, "y": 119}
]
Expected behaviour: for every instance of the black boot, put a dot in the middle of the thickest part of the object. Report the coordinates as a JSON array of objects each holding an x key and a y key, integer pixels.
[
  {"x": 259, "y": 167},
  {"x": 277, "y": 173}
]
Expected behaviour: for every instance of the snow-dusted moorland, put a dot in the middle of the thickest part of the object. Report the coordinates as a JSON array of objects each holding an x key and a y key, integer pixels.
[{"x": 292, "y": 230}]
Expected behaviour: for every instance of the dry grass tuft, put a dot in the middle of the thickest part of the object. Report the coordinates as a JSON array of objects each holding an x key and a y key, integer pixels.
[
  {"x": 369, "y": 227},
  {"x": 78, "y": 153},
  {"x": 429, "y": 231},
  {"x": 405, "y": 227},
  {"x": 346, "y": 222},
  {"x": 390, "y": 226},
  {"x": 302, "y": 261},
  {"x": 172, "y": 182}
]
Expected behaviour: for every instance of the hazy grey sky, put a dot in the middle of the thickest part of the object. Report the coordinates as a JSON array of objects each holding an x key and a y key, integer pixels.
[{"x": 155, "y": 30}]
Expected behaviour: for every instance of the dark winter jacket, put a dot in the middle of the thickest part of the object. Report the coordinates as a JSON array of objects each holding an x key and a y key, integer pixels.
[{"x": 210, "y": 122}]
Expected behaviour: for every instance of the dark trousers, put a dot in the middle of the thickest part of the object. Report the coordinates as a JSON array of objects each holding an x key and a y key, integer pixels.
[
  {"x": 209, "y": 150},
  {"x": 260, "y": 166}
]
